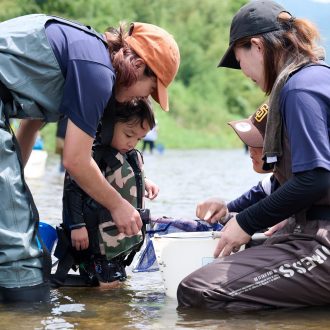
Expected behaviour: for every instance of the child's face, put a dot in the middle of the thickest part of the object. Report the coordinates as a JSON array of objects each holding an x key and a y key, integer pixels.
[
  {"x": 257, "y": 162},
  {"x": 127, "y": 135}
]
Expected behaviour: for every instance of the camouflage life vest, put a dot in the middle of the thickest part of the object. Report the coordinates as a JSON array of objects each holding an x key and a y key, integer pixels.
[
  {"x": 106, "y": 244},
  {"x": 125, "y": 174}
]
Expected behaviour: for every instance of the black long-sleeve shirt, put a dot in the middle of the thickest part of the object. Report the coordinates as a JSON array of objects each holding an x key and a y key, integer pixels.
[{"x": 298, "y": 193}]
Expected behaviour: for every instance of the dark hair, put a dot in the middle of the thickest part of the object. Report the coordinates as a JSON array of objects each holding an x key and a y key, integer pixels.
[
  {"x": 135, "y": 111},
  {"x": 123, "y": 58},
  {"x": 295, "y": 38}
]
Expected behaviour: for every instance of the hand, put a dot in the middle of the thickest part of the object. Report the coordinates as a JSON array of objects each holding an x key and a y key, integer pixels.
[
  {"x": 275, "y": 228},
  {"x": 211, "y": 210},
  {"x": 126, "y": 218},
  {"x": 152, "y": 189},
  {"x": 232, "y": 236},
  {"x": 79, "y": 238}
]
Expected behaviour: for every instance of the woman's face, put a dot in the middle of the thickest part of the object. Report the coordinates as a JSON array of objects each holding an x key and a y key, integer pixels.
[
  {"x": 252, "y": 62},
  {"x": 144, "y": 86}
]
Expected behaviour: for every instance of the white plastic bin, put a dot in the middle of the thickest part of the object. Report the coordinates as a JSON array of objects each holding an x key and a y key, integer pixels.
[
  {"x": 36, "y": 165},
  {"x": 179, "y": 254}
]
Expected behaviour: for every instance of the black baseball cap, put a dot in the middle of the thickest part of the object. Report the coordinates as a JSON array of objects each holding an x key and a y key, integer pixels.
[{"x": 256, "y": 17}]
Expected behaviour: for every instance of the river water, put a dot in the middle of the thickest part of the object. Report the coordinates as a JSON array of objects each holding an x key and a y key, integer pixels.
[{"x": 184, "y": 178}]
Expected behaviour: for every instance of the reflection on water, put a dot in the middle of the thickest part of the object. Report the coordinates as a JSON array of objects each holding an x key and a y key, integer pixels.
[{"x": 184, "y": 177}]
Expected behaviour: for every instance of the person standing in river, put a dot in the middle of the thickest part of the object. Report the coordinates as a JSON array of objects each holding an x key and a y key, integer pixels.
[
  {"x": 51, "y": 66},
  {"x": 280, "y": 54}
]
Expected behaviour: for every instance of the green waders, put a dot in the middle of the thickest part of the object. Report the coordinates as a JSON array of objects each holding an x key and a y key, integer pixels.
[
  {"x": 30, "y": 72},
  {"x": 21, "y": 275}
]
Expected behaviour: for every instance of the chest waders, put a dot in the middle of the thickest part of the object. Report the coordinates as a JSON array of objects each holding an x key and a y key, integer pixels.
[
  {"x": 31, "y": 87},
  {"x": 109, "y": 251}
]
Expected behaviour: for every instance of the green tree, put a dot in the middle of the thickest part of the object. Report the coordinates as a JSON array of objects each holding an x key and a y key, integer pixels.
[{"x": 203, "y": 98}]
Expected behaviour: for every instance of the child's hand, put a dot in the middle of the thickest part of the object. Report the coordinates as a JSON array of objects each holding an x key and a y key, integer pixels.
[
  {"x": 152, "y": 189},
  {"x": 211, "y": 210},
  {"x": 79, "y": 238}
]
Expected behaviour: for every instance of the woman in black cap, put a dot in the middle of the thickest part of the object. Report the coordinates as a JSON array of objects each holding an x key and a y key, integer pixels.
[{"x": 280, "y": 54}]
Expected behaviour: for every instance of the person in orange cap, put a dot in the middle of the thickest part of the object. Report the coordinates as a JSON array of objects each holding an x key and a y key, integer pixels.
[{"x": 51, "y": 66}]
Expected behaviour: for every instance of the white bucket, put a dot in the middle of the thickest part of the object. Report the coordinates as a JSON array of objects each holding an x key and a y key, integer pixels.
[
  {"x": 35, "y": 167},
  {"x": 179, "y": 254}
]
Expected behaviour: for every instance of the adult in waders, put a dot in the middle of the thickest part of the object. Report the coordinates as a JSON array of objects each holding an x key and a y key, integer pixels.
[
  {"x": 88, "y": 239},
  {"x": 51, "y": 66},
  {"x": 280, "y": 53}
]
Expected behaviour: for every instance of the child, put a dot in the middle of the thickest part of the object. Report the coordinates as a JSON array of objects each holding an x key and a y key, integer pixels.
[
  {"x": 96, "y": 246},
  {"x": 251, "y": 131}
]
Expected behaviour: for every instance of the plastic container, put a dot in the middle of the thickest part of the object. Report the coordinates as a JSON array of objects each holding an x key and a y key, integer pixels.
[
  {"x": 36, "y": 165},
  {"x": 48, "y": 235},
  {"x": 179, "y": 254}
]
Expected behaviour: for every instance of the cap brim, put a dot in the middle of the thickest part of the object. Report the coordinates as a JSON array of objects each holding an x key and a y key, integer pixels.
[
  {"x": 247, "y": 132},
  {"x": 161, "y": 96},
  {"x": 228, "y": 60}
]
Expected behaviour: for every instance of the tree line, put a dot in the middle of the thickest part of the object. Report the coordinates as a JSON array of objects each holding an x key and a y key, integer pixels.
[{"x": 203, "y": 98}]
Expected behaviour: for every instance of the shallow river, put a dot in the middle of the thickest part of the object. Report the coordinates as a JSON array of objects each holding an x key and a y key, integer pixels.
[{"x": 184, "y": 178}]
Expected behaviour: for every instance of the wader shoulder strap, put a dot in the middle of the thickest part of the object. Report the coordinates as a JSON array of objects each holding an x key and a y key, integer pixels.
[
  {"x": 86, "y": 28},
  {"x": 133, "y": 160}
]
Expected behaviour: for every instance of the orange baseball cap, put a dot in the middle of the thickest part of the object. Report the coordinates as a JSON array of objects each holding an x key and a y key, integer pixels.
[{"x": 160, "y": 52}]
